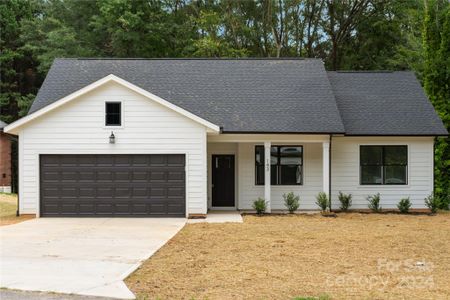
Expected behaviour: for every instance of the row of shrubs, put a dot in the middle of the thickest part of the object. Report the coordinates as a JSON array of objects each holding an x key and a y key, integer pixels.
[{"x": 292, "y": 203}]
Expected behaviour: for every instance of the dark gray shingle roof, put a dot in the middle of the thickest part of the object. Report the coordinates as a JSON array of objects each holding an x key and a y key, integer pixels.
[
  {"x": 384, "y": 103},
  {"x": 248, "y": 95},
  {"x": 264, "y": 95}
]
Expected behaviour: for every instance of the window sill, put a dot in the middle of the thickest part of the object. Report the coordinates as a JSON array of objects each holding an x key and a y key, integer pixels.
[
  {"x": 280, "y": 185},
  {"x": 382, "y": 186}
]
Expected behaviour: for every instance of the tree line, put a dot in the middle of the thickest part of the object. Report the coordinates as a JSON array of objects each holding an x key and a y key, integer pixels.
[{"x": 345, "y": 34}]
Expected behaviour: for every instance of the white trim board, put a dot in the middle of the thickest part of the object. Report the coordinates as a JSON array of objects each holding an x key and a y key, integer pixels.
[{"x": 13, "y": 127}]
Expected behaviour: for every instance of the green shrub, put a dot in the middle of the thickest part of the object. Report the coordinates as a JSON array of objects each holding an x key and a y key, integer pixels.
[
  {"x": 322, "y": 201},
  {"x": 404, "y": 205},
  {"x": 291, "y": 202},
  {"x": 445, "y": 202},
  {"x": 374, "y": 202},
  {"x": 432, "y": 202},
  {"x": 346, "y": 201},
  {"x": 260, "y": 206}
]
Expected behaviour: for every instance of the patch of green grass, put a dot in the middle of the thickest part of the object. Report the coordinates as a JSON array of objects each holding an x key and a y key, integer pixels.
[
  {"x": 7, "y": 209},
  {"x": 8, "y": 205}
]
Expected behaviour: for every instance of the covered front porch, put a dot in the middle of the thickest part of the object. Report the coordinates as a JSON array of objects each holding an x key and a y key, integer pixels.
[{"x": 243, "y": 167}]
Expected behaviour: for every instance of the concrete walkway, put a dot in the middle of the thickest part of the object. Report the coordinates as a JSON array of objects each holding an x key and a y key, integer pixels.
[
  {"x": 220, "y": 217},
  {"x": 25, "y": 295},
  {"x": 85, "y": 256}
]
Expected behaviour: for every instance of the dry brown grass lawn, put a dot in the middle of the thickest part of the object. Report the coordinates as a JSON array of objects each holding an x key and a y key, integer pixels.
[
  {"x": 8, "y": 208},
  {"x": 283, "y": 257}
]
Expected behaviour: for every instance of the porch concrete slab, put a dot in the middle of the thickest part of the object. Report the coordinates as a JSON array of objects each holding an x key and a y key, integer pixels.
[
  {"x": 220, "y": 217},
  {"x": 85, "y": 256}
]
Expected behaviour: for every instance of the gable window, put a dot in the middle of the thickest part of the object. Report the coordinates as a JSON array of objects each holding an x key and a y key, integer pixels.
[
  {"x": 286, "y": 165},
  {"x": 383, "y": 165},
  {"x": 113, "y": 114}
]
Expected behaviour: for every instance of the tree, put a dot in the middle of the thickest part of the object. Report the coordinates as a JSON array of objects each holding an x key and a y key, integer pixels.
[
  {"x": 18, "y": 77},
  {"x": 436, "y": 41},
  {"x": 342, "y": 18}
]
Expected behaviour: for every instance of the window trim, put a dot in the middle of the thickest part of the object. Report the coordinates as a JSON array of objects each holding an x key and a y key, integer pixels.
[
  {"x": 121, "y": 114},
  {"x": 278, "y": 165},
  {"x": 383, "y": 165}
]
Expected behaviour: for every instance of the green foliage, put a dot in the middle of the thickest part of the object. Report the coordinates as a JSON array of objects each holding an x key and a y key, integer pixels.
[
  {"x": 16, "y": 70},
  {"x": 345, "y": 200},
  {"x": 322, "y": 201},
  {"x": 436, "y": 43},
  {"x": 260, "y": 206},
  {"x": 432, "y": 202},
  {"x": 403, "y": 205},
  {"x": 397, "y": 35},
  {"x": 374, "y": 202},
  {"x": 291, "y": 201}
]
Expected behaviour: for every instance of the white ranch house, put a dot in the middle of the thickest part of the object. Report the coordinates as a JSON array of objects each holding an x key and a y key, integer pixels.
[{"x": 179, "y": 137}]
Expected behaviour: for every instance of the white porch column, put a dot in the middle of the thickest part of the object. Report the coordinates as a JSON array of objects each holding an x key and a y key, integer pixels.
[
  {"x": 326, "y": 167},
  {"x": 267, "y": 146}
]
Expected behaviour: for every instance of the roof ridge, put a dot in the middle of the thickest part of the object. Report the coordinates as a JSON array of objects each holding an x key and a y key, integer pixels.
[
  {"x": 365, "y": 71},
  {"x": 187, "y": 58}
]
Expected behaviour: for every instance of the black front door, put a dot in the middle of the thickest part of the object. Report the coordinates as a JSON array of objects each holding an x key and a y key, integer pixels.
[{"x": 223, "y": 180}]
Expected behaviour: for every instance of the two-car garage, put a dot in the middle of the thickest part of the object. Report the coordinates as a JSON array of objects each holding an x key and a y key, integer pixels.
[{"x": 113, "y": 185}]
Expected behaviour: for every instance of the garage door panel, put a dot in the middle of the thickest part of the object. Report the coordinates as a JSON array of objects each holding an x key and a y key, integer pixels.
[
  {"x": 157, "y": 176},
  {"x": 122, "y": 160},
  {"x": 87, "y": 176},
  {"x": 175, "y": 161},
  {"x": 175, "y": 176},
  {"x": 68, "y": 208},
  {"x": 105, "y": 160},
  {"x": 105, "y": 192},
  {"x": 86, "y": 208},
  {"x": 105, "y": 208},
  {"x": 174, "y": 208},
  {"x": 86, "y": 161},
  {"x": 112, "y": 185},
  {"x": 69, "y": 176},
  {"x": 123, "y": 192},
  {"x": 68, "y": 161},
  {"x": 140, "y": 160},
  {"x": 140, "y": 209},
  {"x": 140, "y": 176},
  {"x": 122, "y": 176},
  {"x": 51, "y": 176},
  {"x": 105, "y": 176}
]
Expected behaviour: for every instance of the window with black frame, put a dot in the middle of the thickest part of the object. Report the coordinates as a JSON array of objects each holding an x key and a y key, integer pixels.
[
  {"x": 286, "y": 165},
  {"x": 113, "y": 114},
  {"x": 384, "y": 165}
]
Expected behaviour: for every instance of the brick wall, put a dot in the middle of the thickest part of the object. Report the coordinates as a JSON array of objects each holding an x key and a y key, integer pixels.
[{"x": 5, "y": 160}]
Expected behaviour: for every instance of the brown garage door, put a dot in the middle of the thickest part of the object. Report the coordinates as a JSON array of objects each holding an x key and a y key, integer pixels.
[{"x": 112, "y": 185}]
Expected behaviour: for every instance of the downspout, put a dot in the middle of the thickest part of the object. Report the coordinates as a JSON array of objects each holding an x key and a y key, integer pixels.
[
  {"x": 329, "y": 173},
  {"x": 432, "y": 162}
]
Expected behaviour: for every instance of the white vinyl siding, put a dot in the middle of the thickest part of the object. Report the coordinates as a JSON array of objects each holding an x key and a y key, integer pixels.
[
  {"x": 312, "y": 178},
  {"x": 78, "y": 127},
  {"x": 346, "y": 173}
]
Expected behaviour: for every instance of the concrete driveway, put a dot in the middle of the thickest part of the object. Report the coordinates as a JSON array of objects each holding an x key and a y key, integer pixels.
[{"x": 83, "y": 256}]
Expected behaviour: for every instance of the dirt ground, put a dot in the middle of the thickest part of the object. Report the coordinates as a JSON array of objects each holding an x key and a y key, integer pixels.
[
  {"x": 8, "y": 208},
  {"x": 352, "y": 256}
]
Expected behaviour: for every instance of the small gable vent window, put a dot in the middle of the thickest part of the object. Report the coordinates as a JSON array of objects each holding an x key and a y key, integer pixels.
[{"x": 113, "y": 114}]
